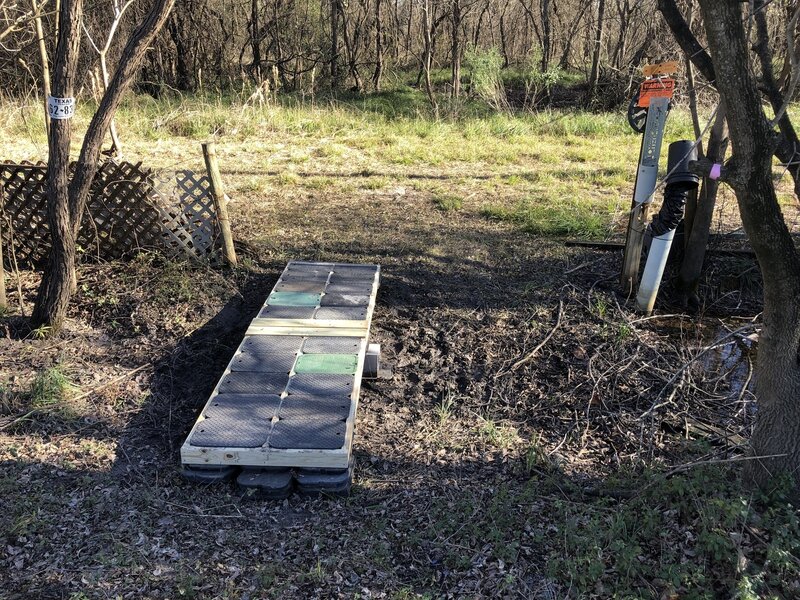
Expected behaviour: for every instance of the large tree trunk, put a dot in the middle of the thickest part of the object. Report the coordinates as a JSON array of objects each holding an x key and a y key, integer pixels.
[
  {"x": 777, "y": 429},
  {"x": 56, "y": 286},
  {"x": 66, "y": 205}
]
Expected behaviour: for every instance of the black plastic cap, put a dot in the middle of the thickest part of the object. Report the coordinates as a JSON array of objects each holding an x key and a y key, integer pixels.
[{"x": 680, "y": 154}]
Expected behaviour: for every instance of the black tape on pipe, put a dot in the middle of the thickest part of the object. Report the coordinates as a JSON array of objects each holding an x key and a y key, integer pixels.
[{"x": 671, "y": 212}]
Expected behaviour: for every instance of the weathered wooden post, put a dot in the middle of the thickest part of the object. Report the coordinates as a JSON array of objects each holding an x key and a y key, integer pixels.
[{"x": 220, "y": 202}]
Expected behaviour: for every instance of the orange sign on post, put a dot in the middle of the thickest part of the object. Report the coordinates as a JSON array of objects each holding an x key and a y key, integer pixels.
[{"x": 661, "y": 87}]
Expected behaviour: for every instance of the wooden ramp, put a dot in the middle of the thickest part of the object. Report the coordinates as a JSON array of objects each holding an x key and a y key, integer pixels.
[{"x": 283, "y": 413}]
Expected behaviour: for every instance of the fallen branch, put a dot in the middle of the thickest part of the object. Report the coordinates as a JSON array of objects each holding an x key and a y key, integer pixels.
[{"x": 528, "y": 357}]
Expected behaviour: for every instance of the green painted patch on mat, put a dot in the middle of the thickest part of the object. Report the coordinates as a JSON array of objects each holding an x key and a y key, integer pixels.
[
  {"x": 293, "y": 299},
  {"x": 331, "y": 364}
]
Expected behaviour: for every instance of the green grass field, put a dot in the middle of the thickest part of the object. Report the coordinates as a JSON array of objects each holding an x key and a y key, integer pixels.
[{"x": 552, "y": 172}]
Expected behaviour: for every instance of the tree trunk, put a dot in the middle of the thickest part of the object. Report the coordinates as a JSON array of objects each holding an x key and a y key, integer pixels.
[
  {"x": 66, "y": 203},
  {"x": 776, "y": 437},
  {"x": 427, "y": 56},
  {"x": 455, "y": 49},
  {"x": 334, "y": 59},
  {"x": 45, "y": 62},
  {"x": 378, "y": 74},
  {"x": 697, "y": 236},
  {"x": 351, "y": 46},
  {"x": 255, "y": 42},
  {"x": 691, "y": 202},
  {"x": 546, "y": 34},
  {"x": 56, "y": 286},
  {"x": 594, "y": 74}
]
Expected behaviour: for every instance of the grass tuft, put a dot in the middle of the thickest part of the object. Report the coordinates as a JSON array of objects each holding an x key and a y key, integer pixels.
[
  {"x": 50, "y": 387},
  {"x": 565, "y": 218},
  {"x": 448, "y": 202}
]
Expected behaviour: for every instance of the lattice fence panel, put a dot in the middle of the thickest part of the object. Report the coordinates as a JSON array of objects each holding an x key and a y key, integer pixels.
[{"x": 129, "y": 209}]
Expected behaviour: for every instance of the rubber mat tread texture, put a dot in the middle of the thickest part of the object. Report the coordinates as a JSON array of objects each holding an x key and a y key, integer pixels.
[
  {"x": 336, "y": 299},
  {"x": 263, "y": 363},
  {"x": 272, "y": 344},
  {"x": 341, "y": 313},
  {"x": 335, "y": 408},
  {"x": 287, "y": 312},
  {"x": 310, "y": 434},
  {"x": 246, "y": 382},
  {"x": 331, "y": 345},
  {"x": 313, "y": 384},
  {"x": 236, "y": 421}
]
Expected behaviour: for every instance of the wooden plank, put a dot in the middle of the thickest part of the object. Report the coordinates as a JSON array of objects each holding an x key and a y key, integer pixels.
[
  {"x": 265, "y": 457},
  {"x": 309, "y": 323},
  {"x": 309, "y": 331}
]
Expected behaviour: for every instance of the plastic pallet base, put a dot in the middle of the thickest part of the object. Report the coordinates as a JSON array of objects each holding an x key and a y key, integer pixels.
[
  {"x": 278, "y": 484},
  {"x": 208, "y": 474},
  {"x": 271, "y": 484},
  {"x": 315, "y": 482}
]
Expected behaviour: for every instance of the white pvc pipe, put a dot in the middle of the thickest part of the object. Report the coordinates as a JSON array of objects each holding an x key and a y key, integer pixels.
[{"x": 654, "y": 271}]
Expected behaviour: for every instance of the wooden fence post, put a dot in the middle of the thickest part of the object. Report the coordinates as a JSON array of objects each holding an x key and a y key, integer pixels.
[{"x": 220, "y": 202}]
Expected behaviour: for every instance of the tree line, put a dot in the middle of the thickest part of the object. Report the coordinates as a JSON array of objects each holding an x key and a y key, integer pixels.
[{"x": 301, "y": 45}]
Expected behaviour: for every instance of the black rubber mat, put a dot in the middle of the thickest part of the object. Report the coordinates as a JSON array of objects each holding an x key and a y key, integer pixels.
[
  {"x": 360, "y": 271},
  {"x": 287, "y": 312},
  {"x": 320, "y": 279},
  {"x": 337, "y": 279},
  {"x": 332, "y": 408},
  {"x": 263, "y": 363},
  {"x": 336, "y": 299},
  {"x": 331, "y": 345},
  {"x": 309, "y": 286},
  {"x": 315, "y": 270},
  {"x": 341, "y": 313},
  {"x": 308, "y": 434},
  {"x": 272, "y": 344},
  {"x": 314, "y": 384},
  {"x": 349, "y": 287},
  {"x": 302, "y": 264},
  {"x": 246, "y": 382},
  {"x": 241, "y": 421}
]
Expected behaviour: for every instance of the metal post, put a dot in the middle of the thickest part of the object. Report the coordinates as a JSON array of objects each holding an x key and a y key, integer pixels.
[{"x": 646, "y": 178}]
